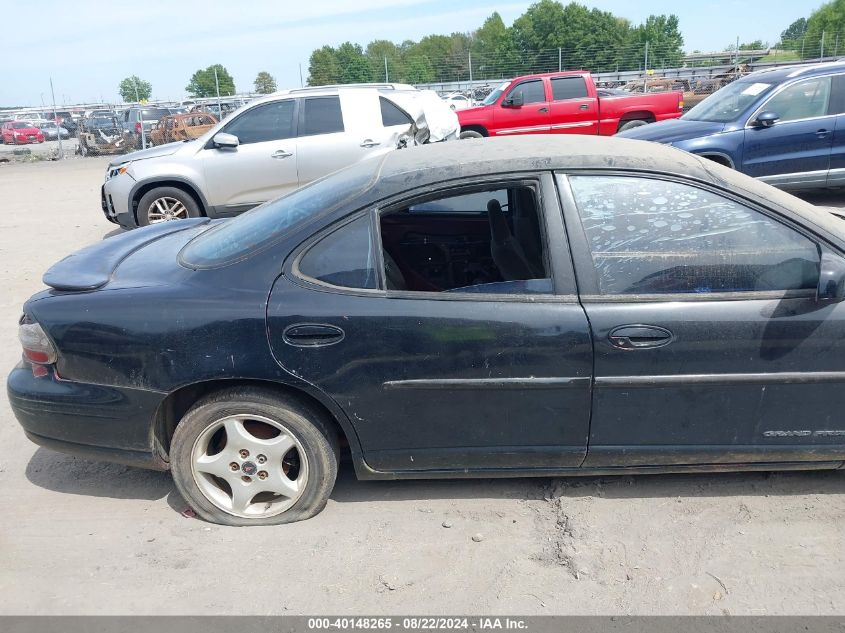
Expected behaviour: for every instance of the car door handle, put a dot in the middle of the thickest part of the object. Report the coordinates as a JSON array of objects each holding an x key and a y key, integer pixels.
[
  {"x": 543, "y": 110},
  {"x": 312, "y": 335},
  {"x": 639, "y": 337},
  {"x": 280, "y": 153},
  {"x": 584, "y": 106},
  {"x": 822, "y": 133},
  {"x": 369, "y": 143}
]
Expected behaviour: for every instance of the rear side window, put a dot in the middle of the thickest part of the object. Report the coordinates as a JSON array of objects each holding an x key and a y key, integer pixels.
[
  {"x": 322, "y": 115},
  {"x": 267, "y": 122},
  {"x": 532, "y": 91},
  {"x": 391, "y": 114},
  {"x": 345, "y": 257},
  {"x": 649, "y": 236},
  {"x": 568, "y": 88}
]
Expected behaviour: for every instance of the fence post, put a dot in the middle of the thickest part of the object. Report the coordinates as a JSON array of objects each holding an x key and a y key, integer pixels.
[
  {"x": 469, "y": 55},
  {"x": 821, "y": 51},
  {"x": 559, "y": 59},
  {"x": 56, "y": 120},
  {"x": 386, "y": 76},
  {"x": 645, "y": 70}
]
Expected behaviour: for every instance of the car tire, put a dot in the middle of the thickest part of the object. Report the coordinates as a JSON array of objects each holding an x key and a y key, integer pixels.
[
  {"x": 175, "y": 204},
  {"x": 312, "y": 458},
  {"x": 471, "y": 134},
  {"x": 630, "y": 125}
]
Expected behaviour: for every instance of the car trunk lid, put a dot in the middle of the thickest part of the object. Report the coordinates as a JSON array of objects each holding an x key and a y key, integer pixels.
[{"x": 93, "y": 267}]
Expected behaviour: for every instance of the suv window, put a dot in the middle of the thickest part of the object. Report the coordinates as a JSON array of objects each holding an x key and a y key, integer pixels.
[
  {"x": 322, "y": 115},
  {"x": 267, "y": 122},
  {"x": 391, "y": 114},
  {"x": 568, "y": 88},
  {"x": 650, "y": 236},
  {"x": 802, "y": 100},
  {"x": 345, "y": 257},
  {"x": 532, "y": 91}
]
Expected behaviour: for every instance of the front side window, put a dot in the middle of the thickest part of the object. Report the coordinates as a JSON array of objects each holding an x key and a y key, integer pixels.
[
  {"x": 649, "y": 236},
  {"x": 391, "y": 114},
  {"x": 345, "y": 257},
  {"x": 322, "y": 116},
  {"x": 267, "y": 122},
  {"x": 532, "y": 91},
  {"x": 568, "y": 88},
  {"x": 802, "y": 100}
]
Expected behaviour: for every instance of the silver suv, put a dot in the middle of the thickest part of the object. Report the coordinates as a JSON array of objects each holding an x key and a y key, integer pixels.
[{"x": 270, "y": 147}]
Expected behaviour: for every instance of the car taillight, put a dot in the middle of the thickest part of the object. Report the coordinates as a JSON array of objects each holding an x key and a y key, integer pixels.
[
  {"x": 37, "y": 348},
  {"x": 137, "y": 126},
  {"x": 681, "y": 104}
]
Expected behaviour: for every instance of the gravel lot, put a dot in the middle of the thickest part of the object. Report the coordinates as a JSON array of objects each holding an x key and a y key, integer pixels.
[{"x": 79, "y": 537}]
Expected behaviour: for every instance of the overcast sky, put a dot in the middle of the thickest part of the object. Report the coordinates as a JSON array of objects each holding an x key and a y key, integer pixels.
[{"x": 98, "y": 42}]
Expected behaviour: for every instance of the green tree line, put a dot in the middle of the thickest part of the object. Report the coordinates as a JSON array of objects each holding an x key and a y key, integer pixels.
[
  {"x": 820, "y": 33},
  {"x": 547, "y": 36}
]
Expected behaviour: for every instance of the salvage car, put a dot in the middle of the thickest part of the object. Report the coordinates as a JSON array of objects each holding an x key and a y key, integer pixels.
[
  {"x": 21, "y": 132},
  {"x": 564, "y": 103},
  {"x": 499, "y": 307},
  {"x": 101, "y": 135},
  {"x": 181, "y": 127},
  {"x": 779, "y": 125},
  {"x": 269, "y": 147},
  {"x": 52, "y": 131}
]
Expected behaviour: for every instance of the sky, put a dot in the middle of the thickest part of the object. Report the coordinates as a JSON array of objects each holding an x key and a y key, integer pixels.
[{"x": 97, "y": 43}]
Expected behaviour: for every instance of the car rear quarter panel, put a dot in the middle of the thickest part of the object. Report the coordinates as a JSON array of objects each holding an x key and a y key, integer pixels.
[{"x": 658, "y": 107}]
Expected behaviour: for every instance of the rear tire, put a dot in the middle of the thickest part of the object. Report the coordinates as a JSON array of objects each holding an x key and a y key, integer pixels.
[
  {"x": 213, "y": 498},
  {"x": 166, "y": 203},
  {"x": 630, "y": 125},
  {"x": 471, "y": 134}
]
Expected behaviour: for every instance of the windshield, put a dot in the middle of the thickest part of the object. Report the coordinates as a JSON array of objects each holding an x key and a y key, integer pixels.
[
  {"x": 22, "y": 125},
  {"x": 265, "y": 225},
  {"x": 493, "y": 96},
  {"x": 728, "y": 103},
  {"x": 102, "y": 122}
]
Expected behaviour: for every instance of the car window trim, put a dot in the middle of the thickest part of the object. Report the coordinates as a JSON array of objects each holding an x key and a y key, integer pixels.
[
  {"x": 292, "y": 271},
  {"x": 585, "y": 273},
  {"x": 784, "y": 86}
]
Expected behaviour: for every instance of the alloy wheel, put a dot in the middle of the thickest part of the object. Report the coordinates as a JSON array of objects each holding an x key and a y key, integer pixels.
[{"x": 166, "y": 209}]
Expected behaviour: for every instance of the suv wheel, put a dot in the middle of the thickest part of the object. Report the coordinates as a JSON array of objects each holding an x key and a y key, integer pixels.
[
  {"x": 247, "y": 456},
  {"x": 163, "y": 204}
]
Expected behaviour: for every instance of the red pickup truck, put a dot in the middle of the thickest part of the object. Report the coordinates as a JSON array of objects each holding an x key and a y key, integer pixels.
[{"x": 564, "y": 103}]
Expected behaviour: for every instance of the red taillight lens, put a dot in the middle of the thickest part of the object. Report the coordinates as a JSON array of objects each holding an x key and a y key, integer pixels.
[
  {"x": 137, "y": 126},
  {"x": 37, "y": 348}
]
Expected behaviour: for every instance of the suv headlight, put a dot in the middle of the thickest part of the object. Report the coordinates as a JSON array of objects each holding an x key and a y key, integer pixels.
[{"x": 111, "y": 172}]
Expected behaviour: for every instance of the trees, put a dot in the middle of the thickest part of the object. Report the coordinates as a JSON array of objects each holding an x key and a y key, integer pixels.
[
  {"x": 202, "y": 82},
  {"x": 822, "y": 26},
  {"x": 354, "y": 67},
  {"x": 323, "y": 67},
  {"x": 128, "y": 86},
  {"x": 790, "y": 39},
  {"x": 264, "y": 83},
  {"x": 664, "y": 42}
]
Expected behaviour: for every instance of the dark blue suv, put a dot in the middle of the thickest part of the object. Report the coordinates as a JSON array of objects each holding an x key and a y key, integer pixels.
[{"x": 785, "y": 126}]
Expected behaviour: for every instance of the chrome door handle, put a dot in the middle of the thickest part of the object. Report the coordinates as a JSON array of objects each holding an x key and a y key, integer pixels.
[
  {"x": 280, "y": 153},
  {"x": 369, "y": 143}
]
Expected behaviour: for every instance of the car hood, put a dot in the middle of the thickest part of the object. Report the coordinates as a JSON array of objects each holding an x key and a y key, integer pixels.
[
  {"x": 93, "y": 267},
  {"x": 673, "y": 130},
  {"x": 153, "y": 152}
]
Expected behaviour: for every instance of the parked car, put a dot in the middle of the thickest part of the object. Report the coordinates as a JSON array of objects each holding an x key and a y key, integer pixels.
[
  {"x": 52, "y": 131},
  {"x": 65, "y": 119},
  {"x": 101, "y": 135},
  {"x": 564, "y": 103},
  {"x": 20, "y": 132},
  {"x": 133, "y": 118},
  {"x": 778, "y": 125},
  {"x": 269, "y": 147},
  {"x": 458, "y": 101},
  {"x": 181, "y": 127},
  {"x": 523, "y": 306}
]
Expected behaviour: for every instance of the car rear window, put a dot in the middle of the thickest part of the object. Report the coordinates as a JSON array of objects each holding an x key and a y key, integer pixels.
[
  {"x": 267, "y": 224},
  {"x": 154, "y": 113},
  {"x": 391, "y": 114}
]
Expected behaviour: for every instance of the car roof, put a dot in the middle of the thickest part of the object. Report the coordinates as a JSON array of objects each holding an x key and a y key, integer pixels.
[{"x": 784, "y": 73}]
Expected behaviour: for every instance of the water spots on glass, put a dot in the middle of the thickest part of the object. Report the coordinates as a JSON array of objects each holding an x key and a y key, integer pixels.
[{"x": 608, "y": 227}]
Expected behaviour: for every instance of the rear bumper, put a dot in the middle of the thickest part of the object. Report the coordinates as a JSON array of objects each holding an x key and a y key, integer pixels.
[{"x": 96, "y": 421}]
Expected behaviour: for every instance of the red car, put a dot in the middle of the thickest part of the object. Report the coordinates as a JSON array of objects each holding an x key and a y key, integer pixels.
[
  {"x": 17, "y": 132},
  {"x": 564, "y": 103}
]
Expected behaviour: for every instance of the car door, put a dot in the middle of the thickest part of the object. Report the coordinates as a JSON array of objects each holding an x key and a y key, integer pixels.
[
  {"x": 710, "y": 345},
  {"x": 264, "y": 164},
  {"x": 836, "y": 173},
  {"x": 433, "y": 374},
  {"x": 572, "y": 109},
  {"x": 532, "y": 117},
  {"x": 796, "y": 149}
]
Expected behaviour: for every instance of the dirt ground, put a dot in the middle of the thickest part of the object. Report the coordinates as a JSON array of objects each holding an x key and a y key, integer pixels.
[{"x": 80, "y": 537}]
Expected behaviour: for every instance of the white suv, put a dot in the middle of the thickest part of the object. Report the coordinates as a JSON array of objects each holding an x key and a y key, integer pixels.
[{"x": 269, "y": 147}]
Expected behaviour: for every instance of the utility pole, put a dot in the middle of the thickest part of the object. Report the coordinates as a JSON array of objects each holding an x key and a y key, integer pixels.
[
  {"x": 140, "y": 116},
  {"x": 821, "y": 52},
  {"x": 56, "y": 119},
  {"x": 217, "y": 85},
  {"x": 386, "y": 75},
  {"x": 736, "y": 58}
]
